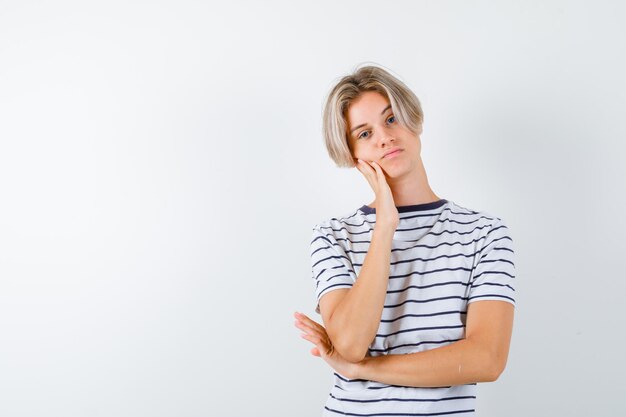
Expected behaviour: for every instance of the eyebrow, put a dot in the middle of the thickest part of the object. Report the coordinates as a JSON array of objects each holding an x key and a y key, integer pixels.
[{"x": 363, "y": 124}]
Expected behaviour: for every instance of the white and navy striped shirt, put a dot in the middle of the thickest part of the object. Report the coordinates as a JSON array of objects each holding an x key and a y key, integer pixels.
[{"x": 443, "y": 257}]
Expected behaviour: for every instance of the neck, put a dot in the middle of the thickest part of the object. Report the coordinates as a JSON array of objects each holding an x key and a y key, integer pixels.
[{"x": 412, "y": 188}]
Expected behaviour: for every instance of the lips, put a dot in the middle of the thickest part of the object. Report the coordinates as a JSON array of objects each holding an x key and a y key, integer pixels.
[{"x": 392, "y": 153}]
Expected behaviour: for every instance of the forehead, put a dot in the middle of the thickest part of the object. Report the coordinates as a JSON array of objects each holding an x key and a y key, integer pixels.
[{"x": 365, "y": 108}]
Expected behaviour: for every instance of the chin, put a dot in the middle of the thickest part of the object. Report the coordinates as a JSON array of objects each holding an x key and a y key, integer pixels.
[{"x": 396, "y": 171}]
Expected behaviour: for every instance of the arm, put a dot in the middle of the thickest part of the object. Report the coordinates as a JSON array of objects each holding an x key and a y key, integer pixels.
[
  {"x": 480, "y": 357},
  {"x": 352, "y": 316}
]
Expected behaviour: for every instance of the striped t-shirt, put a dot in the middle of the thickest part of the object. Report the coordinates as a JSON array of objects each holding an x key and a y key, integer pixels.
[{"x": 443, "y": 257}]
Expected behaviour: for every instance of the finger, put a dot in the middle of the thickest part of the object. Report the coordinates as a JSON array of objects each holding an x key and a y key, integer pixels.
[
  {"x": 319, "y": 344},
  {"x": 364, "y": 168},
  {"x": 306, "y": 321},
  {"x": 310, "y": 322},
  {"x": 368, "y": 167},
  {"x": 301, "y": 319},
  {"x": 378, "y": 173},
  {"x": 378, "y": 169},
  {"x": 312, "y": 331},
  {"x": 304, "y": 327},
  {"x": 315, "y": 352},
  {"x": 315, "y": 340},
  {"x": 369, "y": 173}
]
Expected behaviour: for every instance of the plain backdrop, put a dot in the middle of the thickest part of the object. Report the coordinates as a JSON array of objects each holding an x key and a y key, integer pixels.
[{"x": 162, "y": 167}]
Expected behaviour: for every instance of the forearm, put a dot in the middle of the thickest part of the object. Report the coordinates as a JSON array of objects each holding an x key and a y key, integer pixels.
[
  {"x": 463, "y": 362},
  {"x": 355, "y": 321}
]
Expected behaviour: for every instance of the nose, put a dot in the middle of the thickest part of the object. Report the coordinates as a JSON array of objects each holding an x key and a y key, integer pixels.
[{"x": 386, "y": 137}]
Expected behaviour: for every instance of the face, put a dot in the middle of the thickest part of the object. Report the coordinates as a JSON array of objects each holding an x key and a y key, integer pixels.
[{"x": 373, "y": 132}]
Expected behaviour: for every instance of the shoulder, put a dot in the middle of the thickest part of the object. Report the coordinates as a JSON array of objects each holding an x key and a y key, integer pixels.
[
  {"x": 340, "y": 225},
  {"x": 486, "y": 219},
  {"x": 490, "y": 230},
  {"x": 484, "y": 226}
]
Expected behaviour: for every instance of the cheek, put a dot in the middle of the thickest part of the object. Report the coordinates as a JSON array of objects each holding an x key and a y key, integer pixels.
[
  {"x": 365, "y": 155},
  {"x": 356, "y": 151}
]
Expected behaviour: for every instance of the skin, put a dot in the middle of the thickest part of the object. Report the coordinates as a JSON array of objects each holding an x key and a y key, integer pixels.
[
  {"x": 481, "y": 356},
  {"x": 404, "y": 173}
]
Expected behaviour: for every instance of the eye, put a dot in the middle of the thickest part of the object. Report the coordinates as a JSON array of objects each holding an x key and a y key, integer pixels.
[{"x": 365, "y": 134}]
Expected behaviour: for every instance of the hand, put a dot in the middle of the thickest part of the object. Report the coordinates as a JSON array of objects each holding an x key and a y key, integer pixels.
[
  {"x": 386, "y": 211},
  {"x": 316, "y": 334}
]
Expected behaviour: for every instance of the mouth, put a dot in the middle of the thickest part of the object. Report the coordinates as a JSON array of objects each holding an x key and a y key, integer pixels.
[{"x": 392, "y": 154}]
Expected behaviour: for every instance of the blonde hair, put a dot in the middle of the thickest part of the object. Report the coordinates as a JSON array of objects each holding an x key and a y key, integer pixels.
[{"x": 404, "y": 104}]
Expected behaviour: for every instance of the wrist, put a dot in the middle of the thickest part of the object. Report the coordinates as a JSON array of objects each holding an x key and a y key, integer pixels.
[{"x": 357, "y": 368}]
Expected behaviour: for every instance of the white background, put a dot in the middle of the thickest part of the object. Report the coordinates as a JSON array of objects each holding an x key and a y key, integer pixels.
[{"x": 161, "y": 169}]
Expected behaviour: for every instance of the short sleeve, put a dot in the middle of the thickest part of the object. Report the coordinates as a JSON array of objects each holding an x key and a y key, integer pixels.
[
  {"x": 331, "y": 268},
  {"x": 493, "y": 276}
]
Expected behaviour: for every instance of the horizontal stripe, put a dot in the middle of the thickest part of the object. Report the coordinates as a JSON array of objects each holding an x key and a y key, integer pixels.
[
  {"x": 432, "y": 342},
  {"x": 406, "y": 217},
  {"x": 335, "y": 285},
  {"x": 326, "y": 236},
  {"x": 427, "y": 300},
  {"x": 442, "y": 413},
  {"x": 348, "y": 380},
  {"x": 338, "y": 275},
  {"x": 382, "y": 385},
  {"x": 491, "y": 250},
  {"x": 331, "y": 257},
  {"x": 373, "y": 224},
  {"x": 492, "y": 242},
  {"x": 418, "y": 246},
  {"x": 497, "y": 260},
  {"x": 491, "y": 295},
  {"x": 369, "y": 387},
  {"x": 449, "y": 210},
  {"x": 494, "y": 284},
  {"x": 441, "y": 313},
  {"x": 432, "y": 271},
  {"x": 334, "y": 267},
  {"x": 409, "y": 260},
  {"x": 425, "y": 400},
  {"x": 402, "y": 219},
  {"x": 391, "y": 387},
  {"x": 420, "y": 329},
  {"x": 321, "y": 248},
  {"x": 423, "y": 287},
  {"x": 494, "y": 272}
]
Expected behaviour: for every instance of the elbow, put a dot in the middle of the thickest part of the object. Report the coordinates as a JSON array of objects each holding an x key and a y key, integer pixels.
[
  {"x": 492, "y": 374},
  {"x": 494, "y": 367},
  {"x": 351, "y": 353},
  {"x": 347, "y": 345},
  {"x": 355, "y": 357}
]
